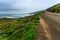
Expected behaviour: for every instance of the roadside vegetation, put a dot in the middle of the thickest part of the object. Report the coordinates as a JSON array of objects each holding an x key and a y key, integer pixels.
[
  {"x": 19, "y": 28},
  {"x": 55, "y": 8}
]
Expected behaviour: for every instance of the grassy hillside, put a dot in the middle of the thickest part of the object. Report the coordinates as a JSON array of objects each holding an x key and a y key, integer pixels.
[
  {"x": 55, "y": 8},
  {"x": 20, "y": 28}
]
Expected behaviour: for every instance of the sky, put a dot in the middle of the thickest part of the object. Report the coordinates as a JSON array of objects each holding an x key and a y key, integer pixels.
[{"x": 26, "y": 6}]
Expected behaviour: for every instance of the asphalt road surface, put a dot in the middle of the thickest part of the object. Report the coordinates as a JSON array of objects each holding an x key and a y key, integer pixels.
[{"x": 53, "y": 21}]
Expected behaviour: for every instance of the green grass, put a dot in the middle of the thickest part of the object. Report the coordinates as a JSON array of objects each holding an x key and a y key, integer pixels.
[
  {"x": 55, "y": 8},
  {"x": 20, "y": 28}
]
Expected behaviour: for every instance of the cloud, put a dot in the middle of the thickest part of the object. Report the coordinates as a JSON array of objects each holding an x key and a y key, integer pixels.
[{"x": 27, "y": 5}]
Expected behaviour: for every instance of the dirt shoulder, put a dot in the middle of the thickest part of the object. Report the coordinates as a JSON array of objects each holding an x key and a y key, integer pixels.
[{"x": 42, "y": 30}]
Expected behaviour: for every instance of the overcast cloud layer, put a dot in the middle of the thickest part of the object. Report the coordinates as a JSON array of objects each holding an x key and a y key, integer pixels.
[{"x": 26, "y": 6}]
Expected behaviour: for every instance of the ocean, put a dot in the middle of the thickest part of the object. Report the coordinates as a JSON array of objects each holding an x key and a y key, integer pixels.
[{"x": 13, "y": 14}]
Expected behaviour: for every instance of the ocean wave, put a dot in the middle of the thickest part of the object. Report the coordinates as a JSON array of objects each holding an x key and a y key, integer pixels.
[{"x": 9, "y": 17}]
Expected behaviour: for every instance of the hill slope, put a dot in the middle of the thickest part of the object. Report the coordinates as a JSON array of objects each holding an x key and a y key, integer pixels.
[
  {"x": 19, "y": 28},
  {"x": 55, "y": 8}
]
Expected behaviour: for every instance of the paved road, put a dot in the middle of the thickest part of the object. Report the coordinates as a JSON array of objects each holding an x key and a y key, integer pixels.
[
  {"x": 55, "y": 17},
  {"x": 53, "y": 21}
]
